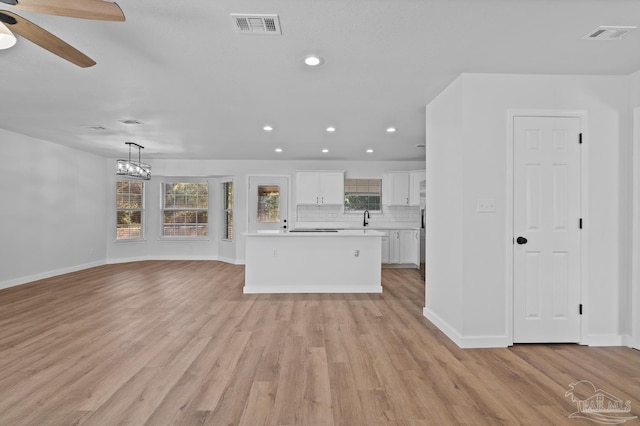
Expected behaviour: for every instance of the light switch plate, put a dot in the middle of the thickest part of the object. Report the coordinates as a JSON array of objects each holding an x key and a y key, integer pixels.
[{"x": 486, "y": 205}]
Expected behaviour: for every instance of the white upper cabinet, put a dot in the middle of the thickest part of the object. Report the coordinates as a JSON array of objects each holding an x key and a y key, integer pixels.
[
  {"x": 403, "y": 188},
  {"x": 320, "y": 188},
  {"x": 417, "y": 181},
  {"x": 397, "y": 189}
]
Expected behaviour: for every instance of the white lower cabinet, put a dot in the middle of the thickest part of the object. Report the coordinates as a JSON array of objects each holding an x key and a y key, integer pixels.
[
  {"x": 394, "y": 246},
  {"x": 403, "y": 247},
  {"x": 410, "y": 247},
  {"x": 385, "y": 248}
]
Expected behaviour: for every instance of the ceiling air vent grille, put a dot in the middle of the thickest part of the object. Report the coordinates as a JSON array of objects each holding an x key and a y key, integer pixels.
[
  {"x": 256, "y": 24},
  {"x": 608, "y": 33}
]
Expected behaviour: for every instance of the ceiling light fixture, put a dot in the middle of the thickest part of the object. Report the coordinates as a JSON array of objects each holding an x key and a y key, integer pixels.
[
  {"x": 267, "y": 128},
  {"x": 134, "y": 169},
  {"x": 7, "y": 39},
  {"x": 313, "y": 61},
  {"x": 325, "y": 151},
  {"x": 278, "y": 149},
  {"x": 369, "y": 151},
  {"x": 331, "y": 129},
  {"x": 391, "y": 129}
]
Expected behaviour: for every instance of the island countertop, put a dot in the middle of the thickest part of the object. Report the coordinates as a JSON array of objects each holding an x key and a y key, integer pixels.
[{"x": 322, "y": 233}]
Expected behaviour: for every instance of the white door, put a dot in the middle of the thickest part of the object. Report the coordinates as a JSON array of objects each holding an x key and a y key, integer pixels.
[
  {"x": 268, "y": 203},
  {"x": 547, "y": 225}
]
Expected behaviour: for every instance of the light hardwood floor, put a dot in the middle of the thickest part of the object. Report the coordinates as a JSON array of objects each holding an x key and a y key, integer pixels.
[{"x": 176, "y": 342}]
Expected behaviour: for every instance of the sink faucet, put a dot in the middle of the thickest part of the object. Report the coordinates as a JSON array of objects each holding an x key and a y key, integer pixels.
[{"x": 365, "y": 222}]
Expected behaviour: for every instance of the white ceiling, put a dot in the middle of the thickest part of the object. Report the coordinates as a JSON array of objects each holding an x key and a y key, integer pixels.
[{"x": 202, "y": 90}]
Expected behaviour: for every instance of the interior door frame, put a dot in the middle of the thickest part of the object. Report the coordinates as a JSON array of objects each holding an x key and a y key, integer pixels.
[
  {"x": 509, "y": 205},
  {"x": 267, "y": 176},
  {"x": 635, "y": 251}
]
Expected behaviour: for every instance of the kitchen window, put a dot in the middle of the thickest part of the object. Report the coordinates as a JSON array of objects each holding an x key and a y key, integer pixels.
[
  {"x": 129, "y": 210},
  {"x": 185, "y": 209},
  {"x": 227, "y": 210},
  {"x": 362, "y": 194}
]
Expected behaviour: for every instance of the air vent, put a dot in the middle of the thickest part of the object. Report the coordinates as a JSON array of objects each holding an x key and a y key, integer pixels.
[
  {"x": 256, "y": 24},
  {"x": 608, "y": 33}
]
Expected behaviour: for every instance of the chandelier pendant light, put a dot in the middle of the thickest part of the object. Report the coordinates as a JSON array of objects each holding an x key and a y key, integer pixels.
[{"x": 134, "y": 169}]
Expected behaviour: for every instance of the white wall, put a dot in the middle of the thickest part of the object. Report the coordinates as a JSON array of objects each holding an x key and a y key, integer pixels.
[
  {"x": 630, "y": 297},
  {"x": 153, "y": 247},
  {"x": 52, "y": 215},
  {"x": 444, "y": 206},
  {"x": 480, "y": 103}
]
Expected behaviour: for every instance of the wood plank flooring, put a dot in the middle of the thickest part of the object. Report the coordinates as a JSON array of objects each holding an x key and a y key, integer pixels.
[{"x": 176, "y": 342}]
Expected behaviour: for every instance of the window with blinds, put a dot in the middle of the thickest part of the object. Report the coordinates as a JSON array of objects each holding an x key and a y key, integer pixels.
[
  {"x": 185, "y": 209},
  {"x": 129, "y": 210},
  {"x": 362, "y": 194},
  {"x": 227, "y": 213}
]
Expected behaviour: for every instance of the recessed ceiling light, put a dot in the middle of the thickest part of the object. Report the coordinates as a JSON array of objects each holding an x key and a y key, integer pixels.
[
  {"x": 325, "y": 150},
  {"x": 369, "y": 151},
  {"x": 331, "y": 129},
  {"x": 391, "y": 129},
  {"x": 313, "y": 61},
  {"x": 278, "y": 149},
  {"x": 267, "y": 128}
]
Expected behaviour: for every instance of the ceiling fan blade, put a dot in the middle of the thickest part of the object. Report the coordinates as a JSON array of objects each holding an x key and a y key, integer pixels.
[
  {"x": 87, "y": 9},
  {"x": 44, "y": 39}
]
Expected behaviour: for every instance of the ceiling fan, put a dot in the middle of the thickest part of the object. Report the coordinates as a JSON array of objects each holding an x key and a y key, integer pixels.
[{"x": 87, "y": 9}]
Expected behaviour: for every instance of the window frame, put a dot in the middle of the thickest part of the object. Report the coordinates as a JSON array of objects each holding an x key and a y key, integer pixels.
[
  {"x": 141, "y": 209},
  {"x": 163, "y": 209},
  {"x": 378, "y": 210},
  {"x": 224, "y": 235}
]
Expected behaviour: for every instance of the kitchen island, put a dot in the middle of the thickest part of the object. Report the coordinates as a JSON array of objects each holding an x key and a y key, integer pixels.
[{"x": 328, "y": 261}]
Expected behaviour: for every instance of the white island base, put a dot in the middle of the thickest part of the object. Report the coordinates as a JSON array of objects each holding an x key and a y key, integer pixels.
[{"x": 347, "y": 261}]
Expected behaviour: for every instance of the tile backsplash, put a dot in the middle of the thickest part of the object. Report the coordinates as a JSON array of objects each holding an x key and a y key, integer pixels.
[{"x": 392, "y": 216}]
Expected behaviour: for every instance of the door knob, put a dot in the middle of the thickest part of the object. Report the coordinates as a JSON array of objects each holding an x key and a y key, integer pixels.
[{"x": 521, "y": 240}]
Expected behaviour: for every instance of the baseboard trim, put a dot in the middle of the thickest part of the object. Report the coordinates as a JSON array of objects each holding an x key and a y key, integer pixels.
[
  {"x": 146, "y": 258},
  {"x": 48, "y": 274},
  {"x": 465, "y": 342},
  {"x": 332, "y": 288},
  {"x": 604, "y": 340},
  {"x": 231, "y": 261}
]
